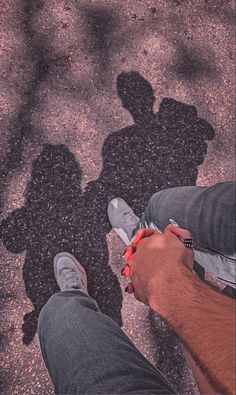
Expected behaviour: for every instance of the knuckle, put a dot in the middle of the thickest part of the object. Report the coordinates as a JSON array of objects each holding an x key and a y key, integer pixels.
[
  {"x": 168, "y": 228},
  {"x": 186, "y": 233}
]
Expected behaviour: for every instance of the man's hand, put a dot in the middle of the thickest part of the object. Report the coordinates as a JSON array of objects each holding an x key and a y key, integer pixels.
[
  {"x": 156, "y": 261},
  {"x": 202, "y": 317}
]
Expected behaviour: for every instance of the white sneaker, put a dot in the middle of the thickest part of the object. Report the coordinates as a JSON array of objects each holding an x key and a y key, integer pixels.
[
  {"x": 69, "y": 273},
  {"x": 122, "y": 219}
]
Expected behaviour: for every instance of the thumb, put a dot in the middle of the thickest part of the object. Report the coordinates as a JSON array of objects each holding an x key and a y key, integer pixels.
[{"x": 177, "y": 231}]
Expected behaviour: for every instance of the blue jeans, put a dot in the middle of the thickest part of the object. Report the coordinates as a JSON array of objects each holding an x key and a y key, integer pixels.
[
  {"x": 209, "y": 214},
  {"x": 85, "y": 351}
]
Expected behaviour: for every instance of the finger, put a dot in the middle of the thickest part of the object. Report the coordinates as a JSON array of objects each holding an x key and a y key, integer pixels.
[
  {"x": 177, "y": 231},
  {"x": 129, "y": 250},
  {"x": 141, "y": 233},
  {"x": 130, "y": 288},
  {"x": 125, "y": 270}
]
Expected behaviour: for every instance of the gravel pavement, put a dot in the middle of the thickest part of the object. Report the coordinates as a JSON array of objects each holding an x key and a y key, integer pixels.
[{"x": 77, "y": 84}]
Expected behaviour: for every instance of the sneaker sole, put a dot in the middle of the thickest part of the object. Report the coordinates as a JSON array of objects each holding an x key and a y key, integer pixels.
[{"x": 79, "y": 266}]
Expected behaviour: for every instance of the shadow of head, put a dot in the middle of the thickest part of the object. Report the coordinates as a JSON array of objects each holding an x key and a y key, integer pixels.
[
  {"x": 44, "y": 225},
  {"x": 159, "y": 150},
  {"x": 54, "y": 173},
  {"x": 136, "y": 94},
  {"x": 55, "y": 183}
]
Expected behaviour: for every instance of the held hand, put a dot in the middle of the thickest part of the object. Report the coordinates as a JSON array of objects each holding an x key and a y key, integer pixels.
[{"x": 156, "y": 260}]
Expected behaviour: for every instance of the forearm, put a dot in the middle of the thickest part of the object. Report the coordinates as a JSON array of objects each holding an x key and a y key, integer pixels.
[{"x": 205, "y": 320}]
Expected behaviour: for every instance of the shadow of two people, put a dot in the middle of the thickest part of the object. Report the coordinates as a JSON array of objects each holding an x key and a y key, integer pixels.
[{"x": 158, "y": 151}]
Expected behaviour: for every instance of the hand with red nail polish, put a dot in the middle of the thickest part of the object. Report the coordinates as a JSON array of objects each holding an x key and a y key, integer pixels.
[
  {"x": 160, "y": 275},
  {"x": 130, "y": 250},
  {"x": 141, "y": 234},
  {"x": 156, "y": 260},
  {"x": 125, "y": 271}
]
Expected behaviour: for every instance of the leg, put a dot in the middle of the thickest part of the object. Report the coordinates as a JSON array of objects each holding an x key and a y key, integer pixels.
[
  {"x": 87, "y": 353},
  {"x": 208, "y": 212}
]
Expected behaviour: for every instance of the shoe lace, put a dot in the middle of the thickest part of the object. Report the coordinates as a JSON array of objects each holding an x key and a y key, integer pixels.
[{"x": 70, "y": 278}]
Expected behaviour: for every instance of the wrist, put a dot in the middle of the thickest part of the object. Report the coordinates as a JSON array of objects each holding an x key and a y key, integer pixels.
[{"x": 167, "y": 290}]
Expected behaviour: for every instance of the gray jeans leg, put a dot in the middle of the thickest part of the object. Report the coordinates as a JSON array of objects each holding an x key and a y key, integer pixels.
[
  {"x": 209, "y": 214},
  {"x": 86, "y": 352}
]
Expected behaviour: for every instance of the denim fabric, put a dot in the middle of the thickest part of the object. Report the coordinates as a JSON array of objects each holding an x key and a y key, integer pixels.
[
  {"x": 87, "y": 353},
  {"x": 209, "y": 214}
]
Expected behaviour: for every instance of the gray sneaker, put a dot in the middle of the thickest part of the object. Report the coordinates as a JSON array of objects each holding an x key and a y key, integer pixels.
[
  {"x": 122, "y": 219},
  {"x": 69, "y": 273}
]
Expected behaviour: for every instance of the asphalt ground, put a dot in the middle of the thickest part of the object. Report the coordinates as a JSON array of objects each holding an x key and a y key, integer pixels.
[{"x": 68, "y": 145}]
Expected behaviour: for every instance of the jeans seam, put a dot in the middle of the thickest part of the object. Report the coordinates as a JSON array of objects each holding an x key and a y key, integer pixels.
[{"x": 196, "y": 247}]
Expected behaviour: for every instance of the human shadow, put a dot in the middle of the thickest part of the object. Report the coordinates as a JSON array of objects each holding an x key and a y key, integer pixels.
[
  {"x": 53, "y": 220},
  {"x": 158, "y": 151}
]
